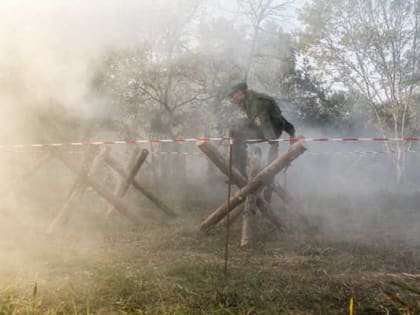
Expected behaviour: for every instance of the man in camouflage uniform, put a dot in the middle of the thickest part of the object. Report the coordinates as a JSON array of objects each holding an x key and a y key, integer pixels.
[{"x": 264, "y": 121}]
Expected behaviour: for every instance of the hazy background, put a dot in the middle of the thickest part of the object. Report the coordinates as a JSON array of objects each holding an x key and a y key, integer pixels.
[{"x": 113, "y": 70}]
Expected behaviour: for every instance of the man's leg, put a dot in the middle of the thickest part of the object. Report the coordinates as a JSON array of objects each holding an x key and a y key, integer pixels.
[
  {"x": 239, "y": 153},
  {"x": 242, "y": 131},
  {"x": 239, "y": 156},
  {"x": 272, "y": 155}
]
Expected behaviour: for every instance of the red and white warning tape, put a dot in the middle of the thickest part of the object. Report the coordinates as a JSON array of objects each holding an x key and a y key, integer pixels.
[
  {"x": 357, "y": 152},
  {"x": 161, "y": 153},
  {"x": 309, "y": 153},
  {"x": 206, "y": 139}
]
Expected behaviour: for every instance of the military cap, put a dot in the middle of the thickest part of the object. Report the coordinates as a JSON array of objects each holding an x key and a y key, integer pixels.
[{"x": 242, "y": 86}]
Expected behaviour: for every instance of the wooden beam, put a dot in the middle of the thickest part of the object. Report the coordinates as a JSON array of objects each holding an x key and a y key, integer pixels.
[
  {"x": 248, "y": 218},
  {"x": 233, "y": 216}
]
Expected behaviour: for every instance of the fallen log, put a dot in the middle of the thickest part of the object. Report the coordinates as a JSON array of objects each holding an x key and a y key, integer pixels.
[
  {"x": 257, "y": 183},
  {"x": 160, "y": 204}
]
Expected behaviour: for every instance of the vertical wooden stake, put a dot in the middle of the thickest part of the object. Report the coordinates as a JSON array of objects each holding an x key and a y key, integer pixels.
[
  {"x": 254, "y": 164},
  {"x": 228, "y": 202}
]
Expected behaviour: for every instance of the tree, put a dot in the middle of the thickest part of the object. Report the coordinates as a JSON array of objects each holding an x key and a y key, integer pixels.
[
  {"x": 372, "y": 47},
  {"x": 316, "y": 105},
  {"x": 258, "y": 13}
]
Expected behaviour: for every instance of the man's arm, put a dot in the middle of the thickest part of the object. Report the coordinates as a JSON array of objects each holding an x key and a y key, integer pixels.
[{"x": 264, "y": 120}]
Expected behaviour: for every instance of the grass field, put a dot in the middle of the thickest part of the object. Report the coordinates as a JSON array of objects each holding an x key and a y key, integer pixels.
[{"x": 170, "y": 267}]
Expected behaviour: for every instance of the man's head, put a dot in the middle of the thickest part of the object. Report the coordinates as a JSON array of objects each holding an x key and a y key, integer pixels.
[{"x": 238, "y": 92}]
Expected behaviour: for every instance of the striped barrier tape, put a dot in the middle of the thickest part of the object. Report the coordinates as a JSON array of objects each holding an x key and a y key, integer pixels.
[
  {"x": 199, "y": 154},
  {"x": 308, "y": 153},
  {"x": 206, "y": 139}
]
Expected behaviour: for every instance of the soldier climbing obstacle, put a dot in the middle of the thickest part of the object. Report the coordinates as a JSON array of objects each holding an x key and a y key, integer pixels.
[{"x": 264, "y": 121}]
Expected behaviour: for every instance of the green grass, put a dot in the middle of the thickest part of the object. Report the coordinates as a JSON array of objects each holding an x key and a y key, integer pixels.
[{"x": 173, "y": 268}]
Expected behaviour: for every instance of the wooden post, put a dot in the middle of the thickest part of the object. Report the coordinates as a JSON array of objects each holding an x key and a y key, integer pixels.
[
  {"x": 162, "y": 206},
  {"x": 135, "y": 163},
  {"x": 257, "y": 183},
  {"x": 254, "y": 164},
  {"x": 222, "y": 164},
  {"x": 103, "y": 192}
]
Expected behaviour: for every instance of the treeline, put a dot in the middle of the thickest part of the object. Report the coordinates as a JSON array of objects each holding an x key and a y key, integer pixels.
[{"x": 351, "y": 68}]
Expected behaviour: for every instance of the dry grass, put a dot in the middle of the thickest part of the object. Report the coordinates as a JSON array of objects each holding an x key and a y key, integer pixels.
[{"x": 172, "y": 268}]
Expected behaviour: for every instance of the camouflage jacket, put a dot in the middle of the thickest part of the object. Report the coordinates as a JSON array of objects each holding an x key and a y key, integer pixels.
[{"x": 263, "y": 111}]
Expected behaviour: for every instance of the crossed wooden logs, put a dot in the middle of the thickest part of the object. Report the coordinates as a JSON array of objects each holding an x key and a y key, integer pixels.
[
  {"x": 253, "y": 185},
  {"x": 85, "y": 179}
]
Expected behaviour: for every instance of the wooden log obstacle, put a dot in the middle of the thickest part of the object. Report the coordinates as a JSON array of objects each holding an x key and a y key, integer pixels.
[
  {"x": 250, "y": 197},
  {"x": 85, "y": 178}
]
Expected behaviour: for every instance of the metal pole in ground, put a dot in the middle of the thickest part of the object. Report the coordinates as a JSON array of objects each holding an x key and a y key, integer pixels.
[{"x": 228, "y": 200}]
